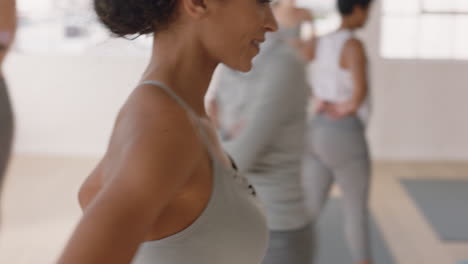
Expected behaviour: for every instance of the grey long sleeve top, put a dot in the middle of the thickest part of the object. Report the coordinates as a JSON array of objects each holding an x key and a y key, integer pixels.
[{"x": 271, "y": 103}]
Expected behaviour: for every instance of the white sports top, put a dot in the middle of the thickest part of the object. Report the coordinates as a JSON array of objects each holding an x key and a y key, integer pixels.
[{"x": 329, "y": 81}]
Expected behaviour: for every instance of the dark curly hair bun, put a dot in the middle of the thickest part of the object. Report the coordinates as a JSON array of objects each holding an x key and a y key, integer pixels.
[
  {"x": 346, "y": 6},
  {"x": 130, "y": 17}
]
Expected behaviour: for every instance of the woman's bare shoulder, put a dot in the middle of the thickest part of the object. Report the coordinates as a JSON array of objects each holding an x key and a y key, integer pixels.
[{"x": 153, "y": 136}]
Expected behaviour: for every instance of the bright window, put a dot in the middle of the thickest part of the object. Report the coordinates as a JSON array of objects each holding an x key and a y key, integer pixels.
[
  {"x": 425, "y": 29},
  {"x": 327, "y": 18},
  {"x": 69, "y": 27}
]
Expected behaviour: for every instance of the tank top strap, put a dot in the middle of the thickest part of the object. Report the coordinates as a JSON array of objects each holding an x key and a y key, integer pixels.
[{"x": 204, "y": 136}]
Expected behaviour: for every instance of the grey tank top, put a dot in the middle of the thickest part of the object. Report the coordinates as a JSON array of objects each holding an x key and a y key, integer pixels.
[{"x": 232, "y": 228}]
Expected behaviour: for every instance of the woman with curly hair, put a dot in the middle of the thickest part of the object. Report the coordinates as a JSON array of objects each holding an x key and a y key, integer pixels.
[{"x": 165, "y": 192}]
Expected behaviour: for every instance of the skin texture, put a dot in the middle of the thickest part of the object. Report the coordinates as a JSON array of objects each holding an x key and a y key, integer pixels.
[
  {"x": 7, "y": 28},
  {"x": 155, "y": 178}
]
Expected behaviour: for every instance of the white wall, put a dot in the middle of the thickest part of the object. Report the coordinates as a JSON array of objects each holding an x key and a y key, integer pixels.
[
  {"x": 420, "y": 109},
  {"x": 67, "y": 105}
]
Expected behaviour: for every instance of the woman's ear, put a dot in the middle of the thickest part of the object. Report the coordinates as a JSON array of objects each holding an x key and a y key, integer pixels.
[{"x": 195, "y": 8}]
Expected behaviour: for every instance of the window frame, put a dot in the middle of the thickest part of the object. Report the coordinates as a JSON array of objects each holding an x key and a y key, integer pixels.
[{"x": 416, "y": 56}]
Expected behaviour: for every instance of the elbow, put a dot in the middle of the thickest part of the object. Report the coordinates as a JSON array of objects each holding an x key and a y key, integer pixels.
[
  {"x": 82, "y": 201},
  {"x": 86, "y": 195}
]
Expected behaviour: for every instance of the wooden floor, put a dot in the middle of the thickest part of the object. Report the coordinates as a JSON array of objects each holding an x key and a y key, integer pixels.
[{"x": 40, "y": 209}]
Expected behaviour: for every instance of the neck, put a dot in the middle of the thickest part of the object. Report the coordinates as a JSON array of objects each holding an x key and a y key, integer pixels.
[
  {"x": 347, "y": 23},
  {"x": 184, "y": 66}
]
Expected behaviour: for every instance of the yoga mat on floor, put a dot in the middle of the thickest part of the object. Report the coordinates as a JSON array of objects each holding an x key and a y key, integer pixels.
[
  {"x": 332, "y": 247},
  {"x": 444, "y": 203}
]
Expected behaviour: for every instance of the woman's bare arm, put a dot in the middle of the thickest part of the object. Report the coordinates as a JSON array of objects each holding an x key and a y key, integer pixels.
[{"x": 150, "y": 158}]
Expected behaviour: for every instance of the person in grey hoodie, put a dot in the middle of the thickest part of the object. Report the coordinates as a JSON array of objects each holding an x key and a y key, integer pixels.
[{"x": 261, "y": 117}]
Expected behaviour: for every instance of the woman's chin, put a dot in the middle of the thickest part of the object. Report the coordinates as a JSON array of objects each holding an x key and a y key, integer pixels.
[
  {"x": 243, "y": 67},
  {"x": 246, "y": 68},
  {"x": 243, "y": 64}
]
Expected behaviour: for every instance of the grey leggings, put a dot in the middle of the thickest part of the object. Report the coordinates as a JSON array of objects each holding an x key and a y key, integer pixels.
[
  {"x": 337, "y": 151},
  {"x": 6, "y": 129},
  {"x": 290, "y": 247}
]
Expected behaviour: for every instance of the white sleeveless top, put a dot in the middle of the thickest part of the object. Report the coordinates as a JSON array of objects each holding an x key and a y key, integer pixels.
[
  {"x": 329, "y": 81},
  {"x": 232, "y": 229}
]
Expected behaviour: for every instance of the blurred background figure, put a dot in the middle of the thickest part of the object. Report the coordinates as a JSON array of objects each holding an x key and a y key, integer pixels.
[
  {"x": 337, "y": 148},
  {"x": 261, "y": 117},
  {"x": 7, "y": 33}
]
